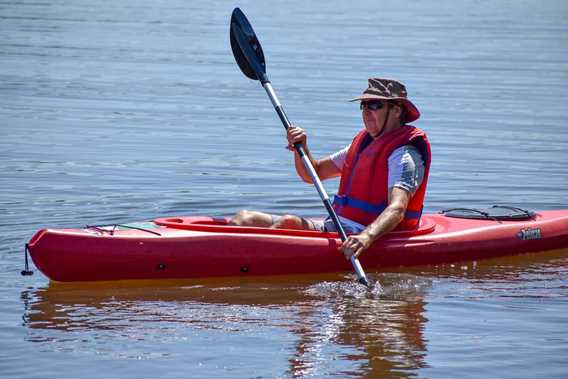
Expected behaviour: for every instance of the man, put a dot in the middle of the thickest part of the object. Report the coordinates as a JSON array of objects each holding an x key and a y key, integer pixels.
[{"x": 384, "y": 172}]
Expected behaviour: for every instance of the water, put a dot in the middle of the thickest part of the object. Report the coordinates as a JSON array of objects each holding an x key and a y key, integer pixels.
[{"x": 117, "y": 112}]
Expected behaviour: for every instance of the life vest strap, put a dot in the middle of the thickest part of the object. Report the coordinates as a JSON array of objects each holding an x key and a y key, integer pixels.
[
  {"x": 413, "y": 215},
  {"x": 359, "y": 204},
  {"x": 371, "y": 208}
]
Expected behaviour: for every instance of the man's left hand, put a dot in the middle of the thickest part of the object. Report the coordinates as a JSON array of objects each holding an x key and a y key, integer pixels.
[{"x": 355, "y": 245}]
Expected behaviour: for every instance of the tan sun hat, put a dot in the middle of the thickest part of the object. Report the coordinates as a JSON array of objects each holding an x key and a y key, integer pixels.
[{"x": 389, "y": 89}]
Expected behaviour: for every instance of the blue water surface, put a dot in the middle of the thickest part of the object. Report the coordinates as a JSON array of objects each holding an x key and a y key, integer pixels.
[{"x": 126, "y": 111}]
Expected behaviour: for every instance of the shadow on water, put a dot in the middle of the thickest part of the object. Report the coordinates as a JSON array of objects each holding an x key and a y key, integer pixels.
[{"x": 332, "y": 320}]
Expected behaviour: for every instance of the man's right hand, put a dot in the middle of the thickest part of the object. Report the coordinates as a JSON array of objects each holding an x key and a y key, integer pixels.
[{"x": 296, "y": 135}]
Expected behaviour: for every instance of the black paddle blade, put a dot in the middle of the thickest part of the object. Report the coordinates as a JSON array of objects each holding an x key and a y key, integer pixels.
[{"x": 246, "y": 48}]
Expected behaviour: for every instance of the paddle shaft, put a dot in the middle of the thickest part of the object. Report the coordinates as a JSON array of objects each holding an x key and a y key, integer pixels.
[
  {"x": 314, "y": 176},
  {"x": 250, "y": 59}
]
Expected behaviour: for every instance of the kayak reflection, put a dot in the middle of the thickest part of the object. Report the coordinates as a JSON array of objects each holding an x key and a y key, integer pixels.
[
  {"x": 333, "y": 322},
  {"x": 306, "y": 325}
]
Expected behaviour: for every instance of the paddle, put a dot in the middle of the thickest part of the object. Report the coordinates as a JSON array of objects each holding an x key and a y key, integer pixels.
[{"x": 250, "y": 58}]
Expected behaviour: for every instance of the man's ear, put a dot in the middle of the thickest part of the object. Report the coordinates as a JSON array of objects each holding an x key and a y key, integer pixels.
[{"x": 398, "y": 110}]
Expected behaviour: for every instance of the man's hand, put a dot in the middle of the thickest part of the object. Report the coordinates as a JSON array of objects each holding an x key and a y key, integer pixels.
[
  {"x": 355, "y": 245},
  {"x": 385, "y": 223},
  {"x": 296, "y": 135}
]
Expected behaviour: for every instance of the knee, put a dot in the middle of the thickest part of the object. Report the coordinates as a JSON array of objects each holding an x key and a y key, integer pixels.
[
  {"x": 242, "y": 218},
  {"x": 288, "y": 222}
]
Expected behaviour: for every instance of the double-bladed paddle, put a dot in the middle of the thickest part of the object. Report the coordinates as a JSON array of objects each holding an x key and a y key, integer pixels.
[{"x": 250, "y": 58}]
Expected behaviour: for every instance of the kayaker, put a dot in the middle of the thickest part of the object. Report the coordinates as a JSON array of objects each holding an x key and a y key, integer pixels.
[{"x": 384, "y": 172}]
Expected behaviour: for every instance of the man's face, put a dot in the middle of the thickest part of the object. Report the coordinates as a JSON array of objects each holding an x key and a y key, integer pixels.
[{"x": 374, "y": 113}]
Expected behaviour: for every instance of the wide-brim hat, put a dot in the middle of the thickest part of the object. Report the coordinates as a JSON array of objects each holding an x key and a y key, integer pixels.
[{"x": 389, "y": 89}]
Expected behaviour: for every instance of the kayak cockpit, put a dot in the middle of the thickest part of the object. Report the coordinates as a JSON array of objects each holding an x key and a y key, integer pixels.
[{"x": 220, "y": 224}]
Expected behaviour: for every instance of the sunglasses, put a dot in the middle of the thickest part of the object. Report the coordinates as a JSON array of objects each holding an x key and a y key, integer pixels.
[{"x": 372, "y": 105}]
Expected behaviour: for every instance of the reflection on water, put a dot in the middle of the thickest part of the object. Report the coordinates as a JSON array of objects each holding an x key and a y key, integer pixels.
[
  {"x": 320, "y": 326},
  {"x": 337, "y": 326},
  {"x": 385, "y": 324}
]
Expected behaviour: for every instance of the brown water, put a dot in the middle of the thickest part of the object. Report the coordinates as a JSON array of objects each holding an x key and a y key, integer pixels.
[{"x": 125, "y": 111}]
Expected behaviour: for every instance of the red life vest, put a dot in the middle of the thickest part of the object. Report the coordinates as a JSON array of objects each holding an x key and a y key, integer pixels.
[{"x": 363, "y": 189}]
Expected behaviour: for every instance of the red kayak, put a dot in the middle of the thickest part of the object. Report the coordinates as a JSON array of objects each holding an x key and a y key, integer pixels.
[{"x": 198, "y": 247}]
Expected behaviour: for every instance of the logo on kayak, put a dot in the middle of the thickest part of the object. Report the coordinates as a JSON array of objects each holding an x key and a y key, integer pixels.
[{"x": 529, "y": 234}]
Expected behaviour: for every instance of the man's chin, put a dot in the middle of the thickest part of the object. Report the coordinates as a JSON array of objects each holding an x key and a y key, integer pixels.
[{"x": 373, "y": 132}]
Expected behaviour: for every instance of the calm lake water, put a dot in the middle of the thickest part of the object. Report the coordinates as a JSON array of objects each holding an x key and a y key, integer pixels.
[{"x": 123, "y": 111}]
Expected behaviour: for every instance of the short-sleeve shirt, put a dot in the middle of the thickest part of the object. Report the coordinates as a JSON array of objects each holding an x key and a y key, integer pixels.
[{"x": 406, "y": 167}]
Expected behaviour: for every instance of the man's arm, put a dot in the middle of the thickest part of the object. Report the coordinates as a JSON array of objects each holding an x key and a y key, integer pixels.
[
  {"x": 325, "y": 168},
  {"x": 386, "y": 222}
]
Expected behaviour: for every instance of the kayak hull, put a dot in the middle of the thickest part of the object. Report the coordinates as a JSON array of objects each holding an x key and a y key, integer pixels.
[{"x": 199, "y": 247}]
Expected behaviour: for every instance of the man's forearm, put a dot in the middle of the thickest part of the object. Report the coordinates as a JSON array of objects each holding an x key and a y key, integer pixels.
[
  {"x": 301, "y": 169},
  {"x": 387, "y": 221}
]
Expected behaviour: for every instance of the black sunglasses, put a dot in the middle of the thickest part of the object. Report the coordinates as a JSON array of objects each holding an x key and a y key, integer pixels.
[{"x": 372, "y": 105}]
